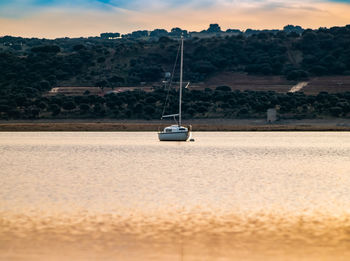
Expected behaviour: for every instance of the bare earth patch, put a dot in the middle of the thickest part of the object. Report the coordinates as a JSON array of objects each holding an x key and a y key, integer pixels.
[{"x": 242, "y": 82}]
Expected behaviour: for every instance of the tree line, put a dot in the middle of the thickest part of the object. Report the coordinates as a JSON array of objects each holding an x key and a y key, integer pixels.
[{"x": 219, "y": 103}]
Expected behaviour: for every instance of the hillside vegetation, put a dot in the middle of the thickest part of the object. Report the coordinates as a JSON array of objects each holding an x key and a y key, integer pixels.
[{"x": 31, "y": 67}]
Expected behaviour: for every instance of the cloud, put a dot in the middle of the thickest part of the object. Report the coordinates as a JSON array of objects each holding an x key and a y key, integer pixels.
[
  {"x": 340, "y": 1},
  {"x": 21, "y": 8},
  {"x": 54, "y": 18},
  {"x": 24, "y": 8}
]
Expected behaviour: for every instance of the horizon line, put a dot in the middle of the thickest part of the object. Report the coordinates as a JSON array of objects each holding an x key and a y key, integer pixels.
[{"x": 169, "y": 30}]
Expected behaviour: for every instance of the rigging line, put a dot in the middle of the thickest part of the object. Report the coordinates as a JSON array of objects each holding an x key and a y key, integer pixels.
[{"x": 171, "y": 80}]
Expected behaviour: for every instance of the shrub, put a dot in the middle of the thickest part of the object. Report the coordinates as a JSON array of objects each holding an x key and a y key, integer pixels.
[
  {"x": 68, "y": 105},
  {"x": 223, "y": 88},
  {"x": 336, "y": 111}
]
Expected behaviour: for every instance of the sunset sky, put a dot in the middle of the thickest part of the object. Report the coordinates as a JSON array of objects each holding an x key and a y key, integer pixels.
[{"x": 75, "y": 18}]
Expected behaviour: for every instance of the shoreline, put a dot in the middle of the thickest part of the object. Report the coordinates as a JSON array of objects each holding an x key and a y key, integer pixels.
[{"x": 197, "y": 125}]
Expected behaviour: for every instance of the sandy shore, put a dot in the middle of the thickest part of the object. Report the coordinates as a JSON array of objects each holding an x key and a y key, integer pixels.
[{"x": 197, "y": 125}]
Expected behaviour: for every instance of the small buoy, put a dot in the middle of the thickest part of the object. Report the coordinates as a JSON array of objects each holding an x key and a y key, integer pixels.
[{"x": 192, "y": 139}]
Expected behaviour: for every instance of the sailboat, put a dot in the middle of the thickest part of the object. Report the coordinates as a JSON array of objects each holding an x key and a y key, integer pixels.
[{"x": 176, "y": 132}]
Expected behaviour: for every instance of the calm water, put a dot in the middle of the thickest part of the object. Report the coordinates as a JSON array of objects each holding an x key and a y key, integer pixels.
[{"x": 127, "y": 196}]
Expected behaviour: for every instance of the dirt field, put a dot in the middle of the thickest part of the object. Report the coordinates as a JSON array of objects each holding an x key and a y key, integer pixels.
[
  {"x": 239, "y": 81},
  {"x": 78, "y": 91},
  {"x": 331, "y": 84}
]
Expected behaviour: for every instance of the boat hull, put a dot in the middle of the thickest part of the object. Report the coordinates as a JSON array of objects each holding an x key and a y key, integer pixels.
[{"x": 175, "y": 136}]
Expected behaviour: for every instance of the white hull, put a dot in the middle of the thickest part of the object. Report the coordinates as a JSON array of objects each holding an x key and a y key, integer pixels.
[{"x": 174, "y": 136}]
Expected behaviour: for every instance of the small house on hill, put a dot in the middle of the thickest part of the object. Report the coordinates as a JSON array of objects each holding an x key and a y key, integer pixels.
[{"x": 271, "y": 115}]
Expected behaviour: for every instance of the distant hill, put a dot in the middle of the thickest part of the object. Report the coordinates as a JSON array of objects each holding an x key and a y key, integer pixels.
[{"x": 31, "y": 67}]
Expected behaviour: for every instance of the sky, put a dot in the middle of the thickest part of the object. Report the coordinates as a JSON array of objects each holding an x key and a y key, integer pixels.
[{"x": 83, "y": 18}]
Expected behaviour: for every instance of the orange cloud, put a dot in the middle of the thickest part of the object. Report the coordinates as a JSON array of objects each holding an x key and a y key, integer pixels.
[{"x": 53, "y": 23}]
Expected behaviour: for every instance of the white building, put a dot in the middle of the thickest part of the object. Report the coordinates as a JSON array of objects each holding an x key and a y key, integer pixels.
[{"x": 271, "y": 115}]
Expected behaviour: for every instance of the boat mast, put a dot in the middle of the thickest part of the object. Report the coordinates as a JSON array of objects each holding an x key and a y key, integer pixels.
[{"x": 181, "y": 74}]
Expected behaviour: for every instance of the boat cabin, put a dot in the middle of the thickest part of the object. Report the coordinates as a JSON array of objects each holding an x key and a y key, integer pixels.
[{"x": 175, "y": 128}]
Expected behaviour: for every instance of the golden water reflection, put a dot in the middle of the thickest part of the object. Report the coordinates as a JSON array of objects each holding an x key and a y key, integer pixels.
[
  {"x": 126, "y": 196},
  {"x": 174, "y": 236}
]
